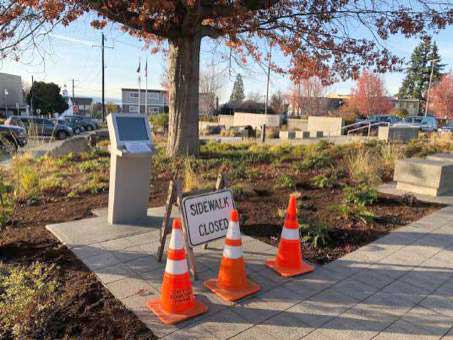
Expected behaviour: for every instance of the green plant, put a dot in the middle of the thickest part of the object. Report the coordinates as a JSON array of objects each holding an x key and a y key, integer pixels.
[
  {"x": 6, "y": 203},
  {"x": 317, "y": 235},
  {"x": 52, "y": 183},
  {"x": 24, "y": 291},
  {"x": 27, "y": 184},
  {"x": 360, "y": 195},
  {"x": 159, "y": 121},
  {"x": 363, "y": 166},
  {"x": 326, "y": 181},
  {"x": 285, "y": 182},
  {"x": 315, "y": 160},
  {"x": 355, "y": 212}
]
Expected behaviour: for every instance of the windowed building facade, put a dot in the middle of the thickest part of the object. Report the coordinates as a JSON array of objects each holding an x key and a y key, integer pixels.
[{"x": 157, "y": 101}]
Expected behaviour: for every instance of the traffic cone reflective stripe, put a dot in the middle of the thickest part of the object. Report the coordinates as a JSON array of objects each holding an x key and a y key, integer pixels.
[
  {"x": 177, "y": 302},
  {"x": 231, "y": 283},
  {"x": 288, "y": 261}
]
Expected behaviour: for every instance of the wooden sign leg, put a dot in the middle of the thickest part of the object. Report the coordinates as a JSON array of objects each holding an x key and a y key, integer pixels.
[
  {"x": 166, "y": 227},
  {"x": 190, "y": 253}
]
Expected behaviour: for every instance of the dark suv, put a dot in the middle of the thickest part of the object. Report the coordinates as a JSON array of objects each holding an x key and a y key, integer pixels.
[
  {"x": 75, "y": 124},
  {"x": 40, "y": 126},
  {"x": 11, "y": 137},
  {"x": 88, "y": 123}
]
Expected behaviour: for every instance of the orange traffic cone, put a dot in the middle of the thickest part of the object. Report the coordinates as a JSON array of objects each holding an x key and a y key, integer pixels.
[
  {"x": 177, "y": 302},
  {"x": 232, "y": 284},
  {"x": 288, "y": 261}
]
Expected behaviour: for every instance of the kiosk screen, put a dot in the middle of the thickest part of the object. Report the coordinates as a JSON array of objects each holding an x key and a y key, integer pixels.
[{"x": 131, "y": 129}]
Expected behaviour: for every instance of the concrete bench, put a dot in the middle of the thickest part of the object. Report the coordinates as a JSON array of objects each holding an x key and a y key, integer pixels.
[
  {"x": 424, "y": 176},
  {"x": 287, "y": 134},
  {"x": 302, "y": 134},
  {"x": 441, "y": 157},
  {"x": 316, "y": 134}
]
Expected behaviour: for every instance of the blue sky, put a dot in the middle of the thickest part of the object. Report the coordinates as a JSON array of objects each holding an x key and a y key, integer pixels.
[{"x": 71, "y": 55}]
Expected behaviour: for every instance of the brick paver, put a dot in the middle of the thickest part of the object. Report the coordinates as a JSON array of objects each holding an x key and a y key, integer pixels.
[{"x": 398, "y": 287}]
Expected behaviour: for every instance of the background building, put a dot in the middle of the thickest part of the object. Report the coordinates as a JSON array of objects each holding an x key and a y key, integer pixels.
[
  {"x": 11, "y": 95},
  {"x": 84, "y": 105},
  {"x": 157, "y": 101},
  {"x": 411, "y": 105}
]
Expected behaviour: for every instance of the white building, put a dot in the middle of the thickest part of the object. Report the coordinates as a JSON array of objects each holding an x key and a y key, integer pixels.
[{"x": 157, "y": 101}]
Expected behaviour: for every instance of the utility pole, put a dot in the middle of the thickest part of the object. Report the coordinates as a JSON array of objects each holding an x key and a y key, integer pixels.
[
  {"x": 268, "y": 78},
  {"x": 73, "y": 92},
  {"x": 103, "y": 77},
  {"x": 429, "y": 85},
  {"x": 103, "y": 47}
]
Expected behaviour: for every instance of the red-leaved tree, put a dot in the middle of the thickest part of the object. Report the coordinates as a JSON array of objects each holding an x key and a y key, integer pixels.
[
  {"x": 317, "y": 35},
  {"x": 441, "y": 97},
  {"x": 368, "y": 97}
]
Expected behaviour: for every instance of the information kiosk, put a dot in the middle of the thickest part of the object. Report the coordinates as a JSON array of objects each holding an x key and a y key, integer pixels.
[{"x": 131, "y": 150}]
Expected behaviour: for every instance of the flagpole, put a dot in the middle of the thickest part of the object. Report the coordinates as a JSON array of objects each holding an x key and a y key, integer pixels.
[
  {"x": 146, "y": 87},
  {"x": 139, "y": 85}
]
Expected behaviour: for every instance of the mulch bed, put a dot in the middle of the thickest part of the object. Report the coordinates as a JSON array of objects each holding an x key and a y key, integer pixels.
[{"x": 88, "y": 310}]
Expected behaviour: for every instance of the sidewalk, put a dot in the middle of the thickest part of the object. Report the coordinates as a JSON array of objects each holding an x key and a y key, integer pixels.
[{"x": 399, "y": 286}]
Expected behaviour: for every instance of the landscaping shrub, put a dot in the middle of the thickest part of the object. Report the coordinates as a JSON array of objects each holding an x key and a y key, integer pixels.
[
  {"x": 354, "y": 212},
  {"x": 363, "y": 166},
  {"x": 324, "y": 181},
  {"x": 6, "y": 203},
  {"x": 361, "y": 194},
  {"x": 285, "y": 182},
  {"x": 317, "y": 235},
  {"x": 25, "y": 291},
  {"x": 316, "y": 161}
]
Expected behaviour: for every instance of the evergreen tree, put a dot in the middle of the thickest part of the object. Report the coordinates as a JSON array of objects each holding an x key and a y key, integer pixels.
[
  {"x": 424, "y": 59},
  {"x": 47, "y": 98},
  {"x": 237, "y": 95}
]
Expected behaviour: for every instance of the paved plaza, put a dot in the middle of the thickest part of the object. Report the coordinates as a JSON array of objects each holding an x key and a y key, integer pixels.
[{"x": 400, "y": 286}]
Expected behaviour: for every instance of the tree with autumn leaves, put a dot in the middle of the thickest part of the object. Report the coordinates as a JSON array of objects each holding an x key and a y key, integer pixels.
[
  {"x": 441, "y": 97},
  {"x": 368, "y": 97},
  {"x": 314, "y": 34}
]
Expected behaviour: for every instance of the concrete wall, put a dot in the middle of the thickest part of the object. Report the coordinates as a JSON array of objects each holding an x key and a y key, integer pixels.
[
  {"x": 226, "y": 120},
  {"x": 256, "y": 120},
  {"x": 297, "y": 125},
  {"x": 330, "y": 126},
  {"x": 253, "y": 119},
  {"x": 397, "y": 133}
]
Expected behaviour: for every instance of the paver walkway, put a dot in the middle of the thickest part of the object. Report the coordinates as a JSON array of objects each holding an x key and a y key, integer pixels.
[{"x": 400, "y": 286}]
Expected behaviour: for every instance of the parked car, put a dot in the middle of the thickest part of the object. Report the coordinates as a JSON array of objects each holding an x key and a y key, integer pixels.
[
  {"x": 75, "y": 124},
  {"x": 40, "y": 126},
  {"x": 447, "y": 127},
  {"x": 384, "y": 119},
  {"x": 12, "y": 137},
  {"x": 375, "y": 121},
  {"x": 427, "y": 124},
  {"x": 89, "y": 124}
]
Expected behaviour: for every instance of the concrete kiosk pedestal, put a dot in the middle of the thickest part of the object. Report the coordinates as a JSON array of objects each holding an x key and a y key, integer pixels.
[{"x": 130, "y": 168}]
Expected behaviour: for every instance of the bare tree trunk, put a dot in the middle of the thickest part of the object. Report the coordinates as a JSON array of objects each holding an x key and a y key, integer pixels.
[{"x": 183, "y": 78}]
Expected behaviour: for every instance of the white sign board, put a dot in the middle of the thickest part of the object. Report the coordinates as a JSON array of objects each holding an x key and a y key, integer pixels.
[
  {"x": 206, "y": 216},
  {"x": 137, "y": 147}
]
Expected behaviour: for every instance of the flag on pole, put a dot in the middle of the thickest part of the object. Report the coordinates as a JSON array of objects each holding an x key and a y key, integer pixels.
[
  {"x": 146, "y": 86},
  {"x": 139, "y": 84}
]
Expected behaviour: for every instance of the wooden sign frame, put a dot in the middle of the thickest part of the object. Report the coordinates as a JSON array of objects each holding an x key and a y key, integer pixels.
[{"x": 174, "y": 197}]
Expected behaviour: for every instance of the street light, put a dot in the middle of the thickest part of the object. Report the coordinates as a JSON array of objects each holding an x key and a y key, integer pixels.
[
  {"x": 429, "y": 85},
  {"x": 6, "y": 102}
]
